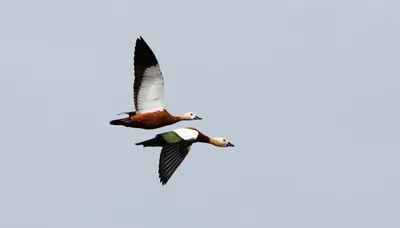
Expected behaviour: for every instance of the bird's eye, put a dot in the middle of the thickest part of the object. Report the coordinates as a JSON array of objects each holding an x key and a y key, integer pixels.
[
  {"x": 224, "y": 140},
  {"x": 191, "y": 114}
]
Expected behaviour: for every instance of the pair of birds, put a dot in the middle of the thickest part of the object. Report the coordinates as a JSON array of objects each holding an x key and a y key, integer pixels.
[{"x": 150, "y": 113}]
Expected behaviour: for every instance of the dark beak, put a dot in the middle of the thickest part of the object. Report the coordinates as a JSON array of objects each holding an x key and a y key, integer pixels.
[
  {"x": 197, "y": 118},
  {"x": 230, "y": 144}
]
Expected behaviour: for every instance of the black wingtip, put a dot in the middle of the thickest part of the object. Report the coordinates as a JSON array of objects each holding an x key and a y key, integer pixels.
[
  {"x": 141, "y": 40},
  {"x": 163, "y": 181},
  {"x": 143, "y": 55}
]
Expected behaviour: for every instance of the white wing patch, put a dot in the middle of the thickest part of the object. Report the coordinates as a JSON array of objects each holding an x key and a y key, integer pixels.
[
  {"x": 187, "y": 134},
  {"x": 151, "y": 92}
]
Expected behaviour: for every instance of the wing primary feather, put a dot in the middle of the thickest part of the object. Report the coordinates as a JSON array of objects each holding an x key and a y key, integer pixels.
[{"x": 171, "y": 157}]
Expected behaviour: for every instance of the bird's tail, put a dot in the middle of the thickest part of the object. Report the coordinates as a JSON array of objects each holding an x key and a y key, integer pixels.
[
  {"x": 157, "y": 141},
  {"x": 119, "y": 122},
  {"x": 116, "y": 122}
]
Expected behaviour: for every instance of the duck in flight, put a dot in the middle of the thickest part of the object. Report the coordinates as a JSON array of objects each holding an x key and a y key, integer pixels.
[
  {"x": 148, "y": 94},
  {"x": 176, "y": 145}
]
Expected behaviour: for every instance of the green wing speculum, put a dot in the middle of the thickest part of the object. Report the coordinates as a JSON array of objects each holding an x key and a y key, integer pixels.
[{"x": 171, "y": 137}]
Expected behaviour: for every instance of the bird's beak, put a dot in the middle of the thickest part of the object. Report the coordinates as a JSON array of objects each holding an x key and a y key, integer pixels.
[
  {"x": 197, "y": 118},
  {"x": 230, "y": 144}
]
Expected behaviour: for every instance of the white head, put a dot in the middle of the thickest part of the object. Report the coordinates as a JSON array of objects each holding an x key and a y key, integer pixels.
[
  {"x": 221, "y": 142},
  {"x": 189, "y": 116}
]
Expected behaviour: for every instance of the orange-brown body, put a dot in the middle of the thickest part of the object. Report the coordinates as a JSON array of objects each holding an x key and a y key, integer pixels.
[{"x": 148, "y": 120}]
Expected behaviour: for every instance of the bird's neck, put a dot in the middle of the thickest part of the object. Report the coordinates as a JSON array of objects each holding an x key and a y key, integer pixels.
[
  {"x": 203, "y": 138},
  {"x": 170, "y": 119},
  {"x": 173, "y": 119}
]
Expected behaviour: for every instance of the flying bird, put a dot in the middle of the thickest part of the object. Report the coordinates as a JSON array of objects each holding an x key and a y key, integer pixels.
[
  {"x": 148, "y": 94},
  {"x": 176, "y": 145}
]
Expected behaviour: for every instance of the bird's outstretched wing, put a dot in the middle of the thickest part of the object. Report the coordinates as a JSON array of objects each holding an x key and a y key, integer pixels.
[
  {"x": 148, "y": 85},
  {"x": 172, "y": 155}
]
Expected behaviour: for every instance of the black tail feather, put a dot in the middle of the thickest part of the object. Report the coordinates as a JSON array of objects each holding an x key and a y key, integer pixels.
[
  {"x": 157, "y": 141},
  {"x": 116, "y": 122}
]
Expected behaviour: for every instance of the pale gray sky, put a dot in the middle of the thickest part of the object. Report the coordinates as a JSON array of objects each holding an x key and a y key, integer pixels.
[{"x": 308, "y": 91}]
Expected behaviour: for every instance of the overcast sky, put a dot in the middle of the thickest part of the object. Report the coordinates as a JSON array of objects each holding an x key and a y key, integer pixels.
[{"x": 308, "y": 91}]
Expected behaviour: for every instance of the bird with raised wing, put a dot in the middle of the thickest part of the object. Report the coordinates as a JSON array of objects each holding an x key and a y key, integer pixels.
[
  {"x": 148, "y": 94},
  {"x": 176, "y": 145}
]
